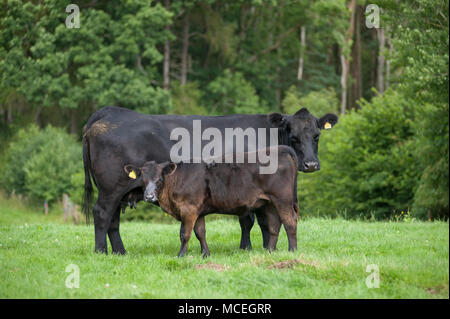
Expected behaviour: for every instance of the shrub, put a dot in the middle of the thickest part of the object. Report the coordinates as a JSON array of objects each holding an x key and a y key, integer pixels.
[
  {"x": 40, "y": 163},
  {"x": 368, "y": 166},
  {"x": 432, "y": 153}
]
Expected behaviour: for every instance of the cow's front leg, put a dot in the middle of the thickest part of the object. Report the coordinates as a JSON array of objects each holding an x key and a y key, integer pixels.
[
  {"x": 246, "y": 223},
  {"x": 102, "y": 220},
  {"x": 114, "y": 235},
  {"x": 187, "y": 224},
  {"x": 200, "y": 233}
]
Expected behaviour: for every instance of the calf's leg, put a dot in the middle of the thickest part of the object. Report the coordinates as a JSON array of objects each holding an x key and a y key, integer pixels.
[
  {"x": 264, "y": 225},
  {"x": 200, "y": 233},
  {"x": 273, "y": 225},
  {"x": 290, "y": 225},
  {"x": 187, "y": 224}
]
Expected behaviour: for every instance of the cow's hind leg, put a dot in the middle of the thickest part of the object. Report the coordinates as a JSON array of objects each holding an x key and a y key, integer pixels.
[
  {"x": 104, "y": 210},
  {"x": 200, "y": 233},
  {"x": 246, "y": 223},
  {"x": 102, "y": 220},
  {"x": 114, "y": 234}
]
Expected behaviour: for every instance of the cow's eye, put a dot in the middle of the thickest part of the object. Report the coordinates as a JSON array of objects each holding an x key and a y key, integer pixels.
[
  {"x": 316, "y": 138},
  {"x": 295, "y": 140}
]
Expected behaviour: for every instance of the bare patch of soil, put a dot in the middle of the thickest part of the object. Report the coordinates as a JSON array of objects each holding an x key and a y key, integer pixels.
[{"x": 213, "y": 266}]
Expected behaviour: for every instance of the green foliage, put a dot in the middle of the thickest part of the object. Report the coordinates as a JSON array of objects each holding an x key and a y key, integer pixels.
[
  {"x": 367, "y": 162},
  {"x": 186, "y": 99},
  {"x": 40, "y": 163},
  {"x": 422, "y": 46},
  {"x": 317, "y": 102},
  {"x": 432, "y": 153},
  {"x": 231, "y": 93},
  {"x": 110, "y": 59}
]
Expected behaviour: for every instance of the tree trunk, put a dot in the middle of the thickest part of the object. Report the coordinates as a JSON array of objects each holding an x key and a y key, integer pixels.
[
  {"x": 356, "y": 91},
  {"x": 166, "y": 61},
  {"x": 73, "y": 122},
  {"x": 302, "y": 52},
  {"x": 184, "y": 54},
  {"x": 388, "y": 61},
  {"x": 37, "y": 116},
  {"x": 373, "y": 60},
  {"x": 9, "y": 117},
  {"x": 344, "y": 76},
  {"x": 380, "y": 65},
  {"x": 345, "y": 60}
]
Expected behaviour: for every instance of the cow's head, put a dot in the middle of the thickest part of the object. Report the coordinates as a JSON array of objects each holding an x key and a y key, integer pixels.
[
  {"x": 152, "y": 176},
  {"x": 301, "y": 131}
]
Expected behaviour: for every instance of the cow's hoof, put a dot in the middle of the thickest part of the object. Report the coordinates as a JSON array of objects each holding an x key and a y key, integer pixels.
[
  {"x": 246, "y": 247},
  {"x": 120, "y": 252}
]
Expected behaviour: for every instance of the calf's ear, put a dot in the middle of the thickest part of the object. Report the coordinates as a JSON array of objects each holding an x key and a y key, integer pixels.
[
  {"x": 327, "y": 121},
  {"x": 132, "y": 171},
  {"x": 169, "y": 168},
  {"x": 277, "y": 119}
]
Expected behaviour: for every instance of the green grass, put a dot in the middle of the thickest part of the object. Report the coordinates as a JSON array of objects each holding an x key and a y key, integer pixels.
[{"x": 413, "y": 260}]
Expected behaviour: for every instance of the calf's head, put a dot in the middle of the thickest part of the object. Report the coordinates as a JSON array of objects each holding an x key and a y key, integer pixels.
[
  {"x": 152, "y": 176},
  {"x": 301, "y": 131}
]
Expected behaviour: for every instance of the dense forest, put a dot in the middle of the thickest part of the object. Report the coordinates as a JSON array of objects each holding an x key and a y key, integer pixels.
[{"x": 381, "y": 65}]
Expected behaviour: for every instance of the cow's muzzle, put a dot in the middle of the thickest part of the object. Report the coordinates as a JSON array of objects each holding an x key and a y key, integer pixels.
[{"x": 310, "y": 166}]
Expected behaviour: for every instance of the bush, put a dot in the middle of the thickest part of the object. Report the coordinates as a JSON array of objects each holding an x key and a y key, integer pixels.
[
  {"x": 432, "y": 153},
  {"x": 368, "y": 166},
  {"x": 40, "y": 163}
]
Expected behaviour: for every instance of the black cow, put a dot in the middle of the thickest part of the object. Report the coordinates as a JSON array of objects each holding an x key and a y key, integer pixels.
[
  {"x": 189, "y": 192},
  {"x": 114, "y": 137}
]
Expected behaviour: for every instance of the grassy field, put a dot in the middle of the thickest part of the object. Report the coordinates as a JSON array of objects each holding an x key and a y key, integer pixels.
[{"x": 35, "y": 250}]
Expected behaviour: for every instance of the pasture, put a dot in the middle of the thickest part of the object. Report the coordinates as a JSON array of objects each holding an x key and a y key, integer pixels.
[{"x": 331, "y": 262}]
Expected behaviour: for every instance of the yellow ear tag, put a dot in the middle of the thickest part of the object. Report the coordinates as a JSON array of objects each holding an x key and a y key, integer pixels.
[
  {"x": 132, "y": 175},
  {"x": 327, "y": 126}
]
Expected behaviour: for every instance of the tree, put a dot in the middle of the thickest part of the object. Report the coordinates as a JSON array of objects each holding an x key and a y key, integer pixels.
[{"x": 110, "y": 59}]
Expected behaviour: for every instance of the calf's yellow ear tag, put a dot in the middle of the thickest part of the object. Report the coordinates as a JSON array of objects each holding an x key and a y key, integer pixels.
[
  {"x": 327, "y": 126},
  {"x": 132, "y": 174}
]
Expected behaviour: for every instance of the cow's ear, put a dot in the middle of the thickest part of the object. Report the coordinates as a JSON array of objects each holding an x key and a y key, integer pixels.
[
  {"x": 277, "y": 119},
  {"x": 327, "y": 121},
  {"x": 132, "y": 171},
  {"x": 169, "y": 168}
]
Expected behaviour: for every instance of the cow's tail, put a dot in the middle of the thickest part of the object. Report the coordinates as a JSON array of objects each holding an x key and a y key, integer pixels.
[{"x": 88, "y": 189}]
